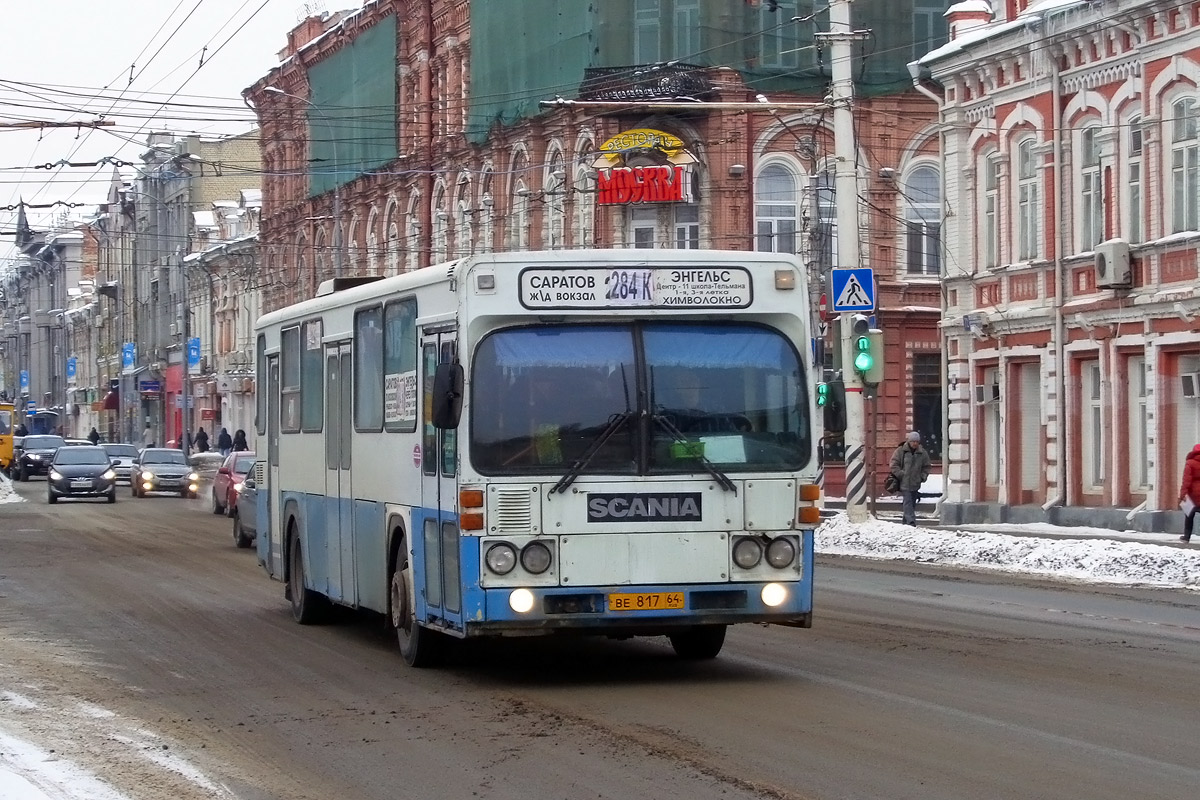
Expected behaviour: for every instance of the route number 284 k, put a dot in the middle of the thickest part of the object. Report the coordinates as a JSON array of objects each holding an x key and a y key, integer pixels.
[{"x": 629, "y": 286}]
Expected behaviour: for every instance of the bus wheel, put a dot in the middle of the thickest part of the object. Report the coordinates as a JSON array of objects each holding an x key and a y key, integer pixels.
[
  {"x": 703, "y": 641},
  {"x": 419, "y": 647},
  {"x": 308, "y": 607}
]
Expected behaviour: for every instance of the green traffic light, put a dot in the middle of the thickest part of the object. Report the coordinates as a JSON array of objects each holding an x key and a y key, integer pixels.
[
  {"x": 822, "y": 393},
  {"x": 863, "y": 362}
]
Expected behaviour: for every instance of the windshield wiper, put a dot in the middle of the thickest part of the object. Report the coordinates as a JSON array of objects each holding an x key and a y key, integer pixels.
[
  {"x": 615, "y": 423},
  {"x": 710, "y": 467}
]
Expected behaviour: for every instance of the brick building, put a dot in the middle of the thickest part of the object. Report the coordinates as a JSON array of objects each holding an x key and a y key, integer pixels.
[
  {"x": 1071, "y": 137},
  {"x": 409, "y": 133}
]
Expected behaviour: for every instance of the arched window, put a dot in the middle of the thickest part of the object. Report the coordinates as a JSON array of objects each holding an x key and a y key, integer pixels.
[
  {"x": 464, "y": 229},
  {"x": 1029, "y": 201},
  {"x": 1091, "y": 190},
  {"x": 518, "y": 225},
  {"x": 487, "y": 227},
  {"x": 412, "y": 235},
  {"x": 989, "y": 230},
  {"x": 585, "y": 207},
  {"x": 556, "y": 197},
  {"x": 923, "y": 221},
  {"x": 1133, "y": 178},
  {"x": 1185, "y": 166},
  {"x": 775, "y": 209},
  {"x": 441, "y": 224},
  {"x": 374, "y": 257}
]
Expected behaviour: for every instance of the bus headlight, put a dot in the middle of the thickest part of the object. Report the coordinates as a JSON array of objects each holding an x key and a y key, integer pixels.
[
  {"x": 781, "y": 553},
  {"x": 521, "y": 600},
  {"x": 535, "y": 558},
  {"x": 501, "y": 558},
  {"x": 747, "y": 552},
  {"x": 773, "y": 594}
]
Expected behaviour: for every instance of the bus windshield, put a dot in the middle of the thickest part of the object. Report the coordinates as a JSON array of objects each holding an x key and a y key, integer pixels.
[{"x": 666, "y": 395}]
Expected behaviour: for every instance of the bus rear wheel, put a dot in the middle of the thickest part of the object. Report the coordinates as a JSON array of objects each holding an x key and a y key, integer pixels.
[
  {"x": 419, "y": 647},
  {"x": 308, "y": 607},
  {"x": 701, "y": 642}
]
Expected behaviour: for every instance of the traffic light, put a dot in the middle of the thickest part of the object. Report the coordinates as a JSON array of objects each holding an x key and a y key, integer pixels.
[
  {"x": 831, "y": 399},
  {"x": 874, "y": 375},
  {"x": 864, "y": 358}
]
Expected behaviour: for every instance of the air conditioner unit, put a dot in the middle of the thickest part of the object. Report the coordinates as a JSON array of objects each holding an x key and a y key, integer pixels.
[
  {"x": 1191, "y": 384},
  {"x": 1113, "y": 267},
  {"x": 174, "y": 329},
  {"x": 987, "y": 394}
]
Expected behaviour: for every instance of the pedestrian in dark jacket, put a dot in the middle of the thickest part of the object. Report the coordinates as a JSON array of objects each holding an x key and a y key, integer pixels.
[
  {"x": 201, "y": 441},
  {"x": 239, "y": 441},
  {"x": 910, "y": 464},
  {"x": 94, "y": 436},
  {"x": 224, "y": 442},
  {"x": 1190, "y": 488}
]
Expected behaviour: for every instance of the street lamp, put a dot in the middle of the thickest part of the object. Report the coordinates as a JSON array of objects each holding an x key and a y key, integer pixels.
[{"x": 337, "y": 183}]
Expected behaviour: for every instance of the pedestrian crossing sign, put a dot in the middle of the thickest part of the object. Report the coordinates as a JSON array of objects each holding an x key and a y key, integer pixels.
[{"x": 853, "y": 289}]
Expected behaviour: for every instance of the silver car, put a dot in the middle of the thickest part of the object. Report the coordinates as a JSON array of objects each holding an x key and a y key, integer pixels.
[
  {"x": 164, "y": 469},
  {"x": 123, "y": 456}
]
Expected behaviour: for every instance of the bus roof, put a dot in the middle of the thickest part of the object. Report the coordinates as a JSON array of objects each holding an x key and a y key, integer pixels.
[{"x": 362, "y": 291}]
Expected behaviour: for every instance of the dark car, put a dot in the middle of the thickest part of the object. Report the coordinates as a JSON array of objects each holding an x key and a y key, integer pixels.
[
  {"x": 245, "y": 524},
  {"x": 164, "y": 469},
  {"x": 36, "y": 453},
  {"x": 228, "y": 481},
  {"x": 81, "y": 472},
  {"x": 124, "y": 455}
]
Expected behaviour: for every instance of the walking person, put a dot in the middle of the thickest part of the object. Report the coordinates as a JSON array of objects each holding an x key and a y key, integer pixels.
[
  {"x": 148, "y": 436},
  {"x": 201, "y": 440},
  {"x": 910, "y": 464},
  {"x": 224, "y": 442},
  {"x": 94, "y": 436},
  {"x": 239, "y": 441},
  {"x": 1189, "y": 490}
]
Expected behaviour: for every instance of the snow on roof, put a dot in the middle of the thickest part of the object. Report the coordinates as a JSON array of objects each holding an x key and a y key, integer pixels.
[
  {"x": 970, "y": 7},
  {"x": 252, "y": 198},
  {"x": 204, "y": 219},
  {"x": 985, "y": 32}
]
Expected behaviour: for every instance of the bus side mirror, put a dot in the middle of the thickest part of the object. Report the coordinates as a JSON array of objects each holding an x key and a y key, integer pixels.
[{"x": 447, "y": 395}]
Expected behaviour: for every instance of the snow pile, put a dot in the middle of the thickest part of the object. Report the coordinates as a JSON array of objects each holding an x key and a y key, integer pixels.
[
  {"x": 7, "y": 493},
  {"x": 1090, "y": 560}
]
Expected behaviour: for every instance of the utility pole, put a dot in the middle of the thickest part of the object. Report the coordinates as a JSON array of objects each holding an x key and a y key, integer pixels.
[{"x": 841, "y": 38}]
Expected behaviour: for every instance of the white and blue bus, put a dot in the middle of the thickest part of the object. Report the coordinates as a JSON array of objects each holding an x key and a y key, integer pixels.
[{"x": 606, "y": 442}]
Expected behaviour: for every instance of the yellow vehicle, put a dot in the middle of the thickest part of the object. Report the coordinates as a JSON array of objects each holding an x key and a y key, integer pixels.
[{"x": 6, "y": 435}]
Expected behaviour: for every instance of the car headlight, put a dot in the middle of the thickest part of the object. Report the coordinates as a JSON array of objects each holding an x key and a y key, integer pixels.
[
  {"x": 55, "y": 475},
  {"x": 747, "y": 552},
  {"x": 781, "y": 553},
  {"x": 535, "y": 558},
  {"x": 147, "y": 475},
  {"x": 501, "y": 558},
  {"x": 109, "y": 475},
  {"x": 34, "y": 457}
]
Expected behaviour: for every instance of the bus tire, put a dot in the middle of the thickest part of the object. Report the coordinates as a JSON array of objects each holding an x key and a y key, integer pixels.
[
  {"x": 419, "y": 647},
  {"x": 698, "y": 643},
  {"x": 308, "y": 607}
]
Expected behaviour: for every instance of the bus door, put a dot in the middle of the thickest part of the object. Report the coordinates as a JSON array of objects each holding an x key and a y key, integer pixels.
[
  {"x": 270, "y": 505},
  {"x": 436, "y": 547},
  {"x": 339, "y": 500}
]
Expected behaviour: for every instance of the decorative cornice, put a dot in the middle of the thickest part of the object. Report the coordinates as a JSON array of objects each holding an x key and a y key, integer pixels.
[{"x": 1097, "y": 76}]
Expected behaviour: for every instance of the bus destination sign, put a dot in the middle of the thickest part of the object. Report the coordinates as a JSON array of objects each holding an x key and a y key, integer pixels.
[{"x": 639, "y": 287}]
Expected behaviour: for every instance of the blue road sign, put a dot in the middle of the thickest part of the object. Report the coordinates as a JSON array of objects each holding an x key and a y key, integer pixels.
[
  {"x": 853, "y": 289},
  {"x": 72, "y": 369},
  {"x": 24, "y": 381}
]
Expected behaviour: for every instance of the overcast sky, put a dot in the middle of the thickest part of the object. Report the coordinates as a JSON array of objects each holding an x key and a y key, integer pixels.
[{"x": 73, "y": 60}]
